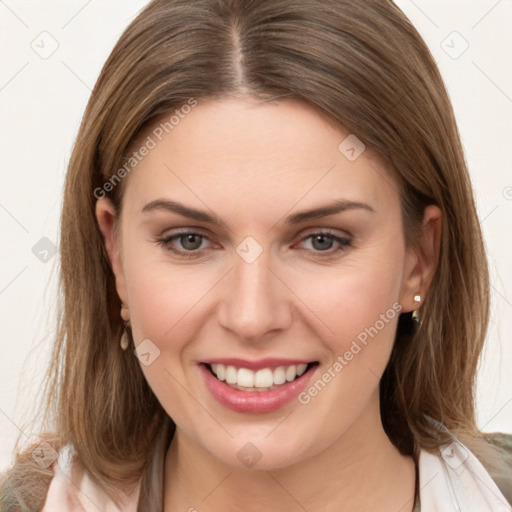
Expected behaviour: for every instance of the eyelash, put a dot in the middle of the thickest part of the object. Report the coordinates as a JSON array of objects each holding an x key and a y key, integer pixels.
[{"x": 166, "y": 243}]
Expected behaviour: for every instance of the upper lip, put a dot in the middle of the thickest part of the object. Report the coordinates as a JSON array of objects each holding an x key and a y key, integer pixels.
[{"x": 257, "y": 364}]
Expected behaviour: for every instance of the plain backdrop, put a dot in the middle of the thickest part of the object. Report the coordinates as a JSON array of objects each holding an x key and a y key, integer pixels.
[{"x": 51, "y": 54}]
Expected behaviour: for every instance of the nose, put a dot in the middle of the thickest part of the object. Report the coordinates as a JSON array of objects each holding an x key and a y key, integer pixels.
[{"x": 256, "y": 301}]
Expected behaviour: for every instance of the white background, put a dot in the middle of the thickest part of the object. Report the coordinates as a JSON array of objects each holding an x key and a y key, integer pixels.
[{"x": 41, "y": 104}]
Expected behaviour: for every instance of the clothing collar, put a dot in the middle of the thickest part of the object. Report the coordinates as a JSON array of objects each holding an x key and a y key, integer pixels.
[{"x": 452, "y": 479}]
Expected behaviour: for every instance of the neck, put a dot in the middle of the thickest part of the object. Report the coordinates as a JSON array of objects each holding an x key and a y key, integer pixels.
[{"x": 361, "y": 470}]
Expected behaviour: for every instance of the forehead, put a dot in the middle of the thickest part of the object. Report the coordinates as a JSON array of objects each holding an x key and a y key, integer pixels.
[{"x": 243, "y": 153}]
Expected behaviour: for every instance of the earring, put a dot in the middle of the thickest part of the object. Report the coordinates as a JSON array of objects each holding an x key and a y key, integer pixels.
[
  {"x": 125, "y": 341},
  {"x": 415, "y": 314}
]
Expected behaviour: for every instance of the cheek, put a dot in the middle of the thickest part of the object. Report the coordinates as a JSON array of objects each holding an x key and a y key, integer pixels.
[
  {"x": 361, "y": 310},
  {"x": 357, "y": 297},
  {"x": 167, "y": 308},
  {"x": 164, "y": 300},
  {"x": 162, "y": 293}
]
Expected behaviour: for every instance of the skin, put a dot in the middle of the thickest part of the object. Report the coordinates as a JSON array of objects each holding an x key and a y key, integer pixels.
[{"x": 253, "y": 164}]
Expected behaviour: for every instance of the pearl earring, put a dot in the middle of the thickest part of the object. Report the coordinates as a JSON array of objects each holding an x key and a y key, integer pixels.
[{"x": 415, "y": 314}]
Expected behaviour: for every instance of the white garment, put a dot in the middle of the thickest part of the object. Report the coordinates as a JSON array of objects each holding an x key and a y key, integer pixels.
[
  {"x": 72, "y": 490},
  {"x": 453, "y": 480}
]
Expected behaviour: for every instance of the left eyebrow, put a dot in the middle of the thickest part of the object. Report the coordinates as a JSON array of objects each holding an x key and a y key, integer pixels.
[
  {"x": 329, "y": 209},
  {"x": 296, "y": 218}
]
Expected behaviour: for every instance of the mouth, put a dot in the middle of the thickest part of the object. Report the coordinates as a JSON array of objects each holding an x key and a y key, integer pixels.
[{"x": 261, "y": 380}]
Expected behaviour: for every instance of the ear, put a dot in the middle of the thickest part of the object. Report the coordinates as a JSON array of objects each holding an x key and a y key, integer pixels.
[
  {"x": 108, "y": 222},
  {"x": 421, "y": 260}
]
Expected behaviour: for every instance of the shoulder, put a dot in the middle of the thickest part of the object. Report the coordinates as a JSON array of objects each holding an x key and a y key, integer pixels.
[
  {"x": 453, "y": 474},
  {"x": 62, "y": 485},
  {"x": 72, "y": 489},
  {"x": 503, "y": 444},
  {"x": 24, "y": 485}
]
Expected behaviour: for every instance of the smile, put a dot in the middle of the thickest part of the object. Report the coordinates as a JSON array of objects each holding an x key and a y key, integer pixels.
[
  {"x": 265, "y": 388},
  {"x": 261, "y": 380}
]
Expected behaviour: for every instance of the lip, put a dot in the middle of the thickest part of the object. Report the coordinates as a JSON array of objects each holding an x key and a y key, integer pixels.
[
  {"x": 268, "y": 362},
  {"x": 255, "y": 402}
]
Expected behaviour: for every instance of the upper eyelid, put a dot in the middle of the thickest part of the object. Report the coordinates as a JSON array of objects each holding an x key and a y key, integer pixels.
[{"x": 196, "y": 230}]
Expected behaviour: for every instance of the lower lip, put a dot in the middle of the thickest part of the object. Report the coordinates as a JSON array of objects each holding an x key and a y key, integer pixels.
[{"x": 256, "y": 402}]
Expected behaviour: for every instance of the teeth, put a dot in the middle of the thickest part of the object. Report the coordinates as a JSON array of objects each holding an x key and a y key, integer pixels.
[
  {"x": 261, "y": 380},
  {"x": 245, "y": 378},
  {"x": 291, "y": 371}
]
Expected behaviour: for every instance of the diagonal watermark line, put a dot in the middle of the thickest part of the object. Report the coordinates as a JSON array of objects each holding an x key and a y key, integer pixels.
[
  {"x": 76, "y": 75},
  {"x": 76, "y": 14},
  {"x": 285, "y": 490},
  {"x": 13, "y": 279},
  {"x": 427, "y": 483},
  {"x": 13, "y": 218},
  {"x": 169, "y": 169},
  {"x": 486, "y": 14},
  {"x": 488, "y": 279},
  {"x": 77, "y": 487},
  {"x": 489, "y": 489},
  {"x": 501, "y": 409},
  {"x": 19, "y": 19},
  {"x": 383, "y": 176},
  {"x": 198, "y": 301},
  {"x": 374, "y": 374},
  {"x": 489, "y": 214},
  {"x": 424, "y": 14},
  {"x": 301, "y": 300},
  {"x": 198, "y": 402},
  {"x": 14, "y": 76},
  {"x": 492, "y": 81},
  {"x": 502, "y": 296},
  {"x": 216, "y": 487},
  {"x": 409, "y": 503},
  {"x": 279, "y": 424},
  {"x": 14, "y": 424},
  {"x": 299, "y": 200}
]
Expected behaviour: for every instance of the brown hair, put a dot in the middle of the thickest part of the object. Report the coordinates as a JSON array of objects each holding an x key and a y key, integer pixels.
[{"x": 364, "y": 65}]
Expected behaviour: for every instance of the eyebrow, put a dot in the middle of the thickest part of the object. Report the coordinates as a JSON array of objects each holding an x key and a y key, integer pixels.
[{"x": 202, "y": 216}]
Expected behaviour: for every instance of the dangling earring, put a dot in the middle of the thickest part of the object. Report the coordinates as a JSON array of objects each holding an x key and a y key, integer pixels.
[
  {"x": 125, "y": 341},
  {"x": 415, "y": 314}
]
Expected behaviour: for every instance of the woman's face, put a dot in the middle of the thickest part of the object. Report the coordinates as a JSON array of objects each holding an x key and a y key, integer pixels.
[{"x": 251, "y": 282}]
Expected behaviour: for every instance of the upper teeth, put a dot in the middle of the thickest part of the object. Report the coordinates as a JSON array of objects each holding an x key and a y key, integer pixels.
[{"x": 264, "y": 378}]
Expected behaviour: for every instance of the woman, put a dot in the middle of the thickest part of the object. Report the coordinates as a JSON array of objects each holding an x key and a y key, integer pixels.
[{"x": 273, "y": 275}]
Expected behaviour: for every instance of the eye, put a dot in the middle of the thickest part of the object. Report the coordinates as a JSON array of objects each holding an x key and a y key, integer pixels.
[
  {"x": 323, "y": 242},
  {"x": 189, "y": 241}
]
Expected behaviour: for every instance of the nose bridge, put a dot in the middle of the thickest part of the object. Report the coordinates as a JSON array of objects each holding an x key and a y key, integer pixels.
[{"x": 255, "y": 301}]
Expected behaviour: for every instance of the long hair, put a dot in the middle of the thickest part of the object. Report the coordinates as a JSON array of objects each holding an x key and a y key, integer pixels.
[{"x": 364, "y": 65}]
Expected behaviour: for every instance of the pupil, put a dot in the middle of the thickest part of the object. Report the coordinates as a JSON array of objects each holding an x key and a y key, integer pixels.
[
  {"x": 324, "y": 238},
  {"x": 190, "y": 239}
]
